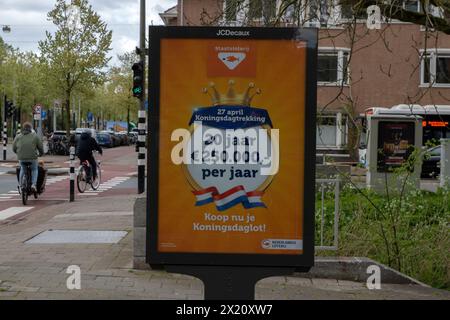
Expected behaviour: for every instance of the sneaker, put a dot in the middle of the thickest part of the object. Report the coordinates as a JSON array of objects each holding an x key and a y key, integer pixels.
[{"x": 33, "y": 189}]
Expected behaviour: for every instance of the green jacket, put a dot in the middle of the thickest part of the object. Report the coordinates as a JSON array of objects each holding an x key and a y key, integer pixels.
[{"x": 26, "y": 145}]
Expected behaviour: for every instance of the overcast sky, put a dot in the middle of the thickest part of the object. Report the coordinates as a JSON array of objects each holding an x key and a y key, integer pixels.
[{"x": 28, "y": 21}]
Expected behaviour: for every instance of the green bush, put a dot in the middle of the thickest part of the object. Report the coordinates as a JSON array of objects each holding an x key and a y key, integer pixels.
[{"x": 408, "y": 232}]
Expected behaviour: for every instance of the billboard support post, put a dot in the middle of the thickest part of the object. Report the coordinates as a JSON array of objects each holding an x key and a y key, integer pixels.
[{"x": 228, "y": 282}]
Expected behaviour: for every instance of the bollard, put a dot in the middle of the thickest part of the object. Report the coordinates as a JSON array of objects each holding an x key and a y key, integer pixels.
[
  {"x": 72, "y": 174},
  {"x": 445, "y": 163},
  {"x": 141, "y": 151},
  {"x": 5, "y": 139}
]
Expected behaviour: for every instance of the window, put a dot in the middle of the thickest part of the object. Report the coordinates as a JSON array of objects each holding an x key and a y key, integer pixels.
[
  {"x": 232, "y": 8},
  {"x": 348, "y": 12},
  {"x": 412, "y": 5},
  {"x": 327, "y": 67},
  {"x": 416, "y": 6},
  {"x": 435, "y": 69},
  {"x": 331, "y": 130},
  {"x": 262, "y": 9},
  {"x": 318, "y": 12},
  {"x": 330, "y": 67},
  {"x": 443, "y": 70}
]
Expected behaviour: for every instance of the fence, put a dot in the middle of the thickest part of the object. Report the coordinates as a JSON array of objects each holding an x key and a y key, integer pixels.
[{"x": 324, "y": 184}]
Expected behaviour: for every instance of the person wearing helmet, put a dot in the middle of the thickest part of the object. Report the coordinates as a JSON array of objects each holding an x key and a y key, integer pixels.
[{"x": 85, "y": 146}]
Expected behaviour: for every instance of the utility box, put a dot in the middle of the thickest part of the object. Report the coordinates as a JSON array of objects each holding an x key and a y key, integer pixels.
[
  {"x": 392, "y": 139},
  {"x": 445, "y": 163}
]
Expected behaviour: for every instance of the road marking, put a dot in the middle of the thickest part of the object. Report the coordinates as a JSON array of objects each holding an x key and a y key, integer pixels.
[
  {"x": 94, "y": 214},
  {"x": 90, "y": 193},
  {"x": 13, "y": 192},
  {"x": 7, "y": 213},
  {"x": 5, "y": 197}
]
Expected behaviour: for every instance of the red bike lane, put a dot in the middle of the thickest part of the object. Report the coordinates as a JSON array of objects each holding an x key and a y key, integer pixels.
[{"x": 117, "y": 179}]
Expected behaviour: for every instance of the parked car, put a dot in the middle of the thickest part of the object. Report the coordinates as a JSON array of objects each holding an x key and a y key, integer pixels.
[
  {"x": 123, "y": 135},
  {"x": 115, "y": 139},
  {"x": 105, "y": 140},
  {"x": 431, "y": 163},
  {"x": 133, "y": 136}
]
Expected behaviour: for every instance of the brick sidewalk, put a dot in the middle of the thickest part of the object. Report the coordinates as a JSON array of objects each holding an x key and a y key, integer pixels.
[{"x": 38, "y": 271}]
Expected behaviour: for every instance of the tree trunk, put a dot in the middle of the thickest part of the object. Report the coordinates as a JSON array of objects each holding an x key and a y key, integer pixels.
[
  {"x": 128, "y": 119},
  {"x": 68, "y": 115}
]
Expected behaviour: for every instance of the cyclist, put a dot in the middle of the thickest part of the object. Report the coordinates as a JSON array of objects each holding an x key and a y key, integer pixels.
[
  {"x": 85, "y": 146},
  {"x": 27, "y": 145}
]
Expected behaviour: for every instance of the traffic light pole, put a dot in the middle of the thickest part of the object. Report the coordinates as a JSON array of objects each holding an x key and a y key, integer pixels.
[
  {"x": 141, "y": 122},
  {"x": 5, "y": 124}
]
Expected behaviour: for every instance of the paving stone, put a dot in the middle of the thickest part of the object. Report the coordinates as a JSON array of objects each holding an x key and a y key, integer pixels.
[{"x": 23, "y": 289}]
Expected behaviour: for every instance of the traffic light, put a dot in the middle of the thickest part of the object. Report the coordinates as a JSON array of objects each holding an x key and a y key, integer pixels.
[
  {"x": 138, "y": 80},
  {"x": 10, "y": 109}
]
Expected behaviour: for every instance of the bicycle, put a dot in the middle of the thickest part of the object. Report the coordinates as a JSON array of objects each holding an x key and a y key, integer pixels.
[
  {"x": 25, "y": 184},
  {"x": 84, "y": 176}
]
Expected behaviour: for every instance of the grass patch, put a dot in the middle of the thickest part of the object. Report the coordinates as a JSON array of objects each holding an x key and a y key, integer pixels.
[{"x": 408, "y": 232}]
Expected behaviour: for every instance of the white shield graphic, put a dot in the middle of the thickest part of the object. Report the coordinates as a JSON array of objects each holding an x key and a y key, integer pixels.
[{"x": 231, "y": 59}]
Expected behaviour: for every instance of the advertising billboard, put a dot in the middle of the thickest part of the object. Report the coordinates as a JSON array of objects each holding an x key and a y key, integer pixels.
[
  {"x": 231, "y": 146},
  {"x": 116, "y": 126},
  {"x": 395, "y": 144}
]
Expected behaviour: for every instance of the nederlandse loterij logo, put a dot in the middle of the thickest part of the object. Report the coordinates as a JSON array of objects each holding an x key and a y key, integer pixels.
[
  {"x": 227, "y": 32},
  {"x": 231, "y": 59}
]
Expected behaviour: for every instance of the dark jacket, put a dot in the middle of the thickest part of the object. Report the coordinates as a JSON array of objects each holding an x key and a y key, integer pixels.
[{"x": 86, "y": 145}]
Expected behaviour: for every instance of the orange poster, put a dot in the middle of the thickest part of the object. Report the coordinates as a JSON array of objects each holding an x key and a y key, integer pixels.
[{"x": 231, "y": 160}]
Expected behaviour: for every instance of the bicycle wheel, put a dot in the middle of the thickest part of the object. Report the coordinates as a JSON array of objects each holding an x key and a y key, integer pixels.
[
  {"x": 24, "y": 189},
  {"x": 96, "y": 183},
  {"x": 81, "y": 179}
]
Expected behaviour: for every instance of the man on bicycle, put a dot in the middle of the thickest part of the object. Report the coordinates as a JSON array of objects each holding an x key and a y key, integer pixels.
[
  {"x": 27, "y": 145},
  {"x": 87, "y": 144}
]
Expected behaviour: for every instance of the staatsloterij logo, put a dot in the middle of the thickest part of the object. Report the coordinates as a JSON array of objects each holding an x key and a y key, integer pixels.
[
  {"x": 230, "y": 154},
  {"x": 231, "y": 59}
]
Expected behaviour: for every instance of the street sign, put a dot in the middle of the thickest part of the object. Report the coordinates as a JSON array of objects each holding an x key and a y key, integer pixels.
[
  {"x": 37, "y": 109},
  {"x": 90, "y": 117},
  {"x": 44, "y": 114},
  {"x": 245, "y": 147}
]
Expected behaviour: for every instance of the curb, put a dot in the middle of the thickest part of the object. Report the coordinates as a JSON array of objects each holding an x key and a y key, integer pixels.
[
  {"x": 355, "y": 269},
  {"x": 50, "y": 171}
]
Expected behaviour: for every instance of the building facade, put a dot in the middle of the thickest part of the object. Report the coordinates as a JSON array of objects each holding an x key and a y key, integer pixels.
[{"x": 358, "y": 67}]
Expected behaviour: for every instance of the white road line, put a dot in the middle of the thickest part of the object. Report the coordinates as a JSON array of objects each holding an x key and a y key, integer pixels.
[
  {"x": 89, "y": 194},
  {"x": 7, "y": 213},
  {"x": 5, "y": 197},
  {"x": 13, "y": 192}
]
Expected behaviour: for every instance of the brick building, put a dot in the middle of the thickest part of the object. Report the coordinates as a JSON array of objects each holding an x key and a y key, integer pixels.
[{"x": 401, "y": 63}]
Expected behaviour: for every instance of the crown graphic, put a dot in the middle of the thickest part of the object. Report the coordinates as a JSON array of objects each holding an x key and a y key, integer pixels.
[{"x": 231, "y": 97}]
